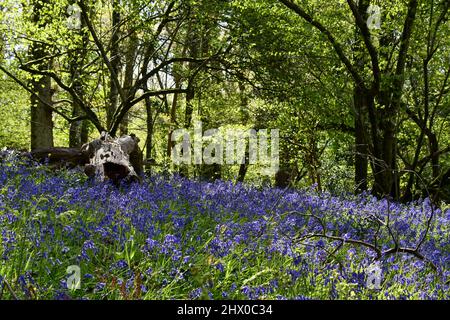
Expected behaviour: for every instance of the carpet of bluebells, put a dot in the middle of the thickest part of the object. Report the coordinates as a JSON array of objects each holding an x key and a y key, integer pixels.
[{"x": 174, "y": 238}]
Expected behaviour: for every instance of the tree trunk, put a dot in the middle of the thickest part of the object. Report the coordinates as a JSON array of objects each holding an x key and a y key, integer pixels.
[
  {"x": 194, "y": 42},
  {"x": 243, "y": 167},
  {"x": 41, "y": 114},
  {"x": 75, "y": 128},
  {"x": 360, "y": 109},
  {"x": 383, "y": 138},
  {"x": 173, "y": 114},
  {"x": 176, "y": 96},
  {"x": 150, "y": 123},
  {"x": 78, "y": 129},
  {"x": 361, "y": 162},
  {"x": 115, "y": 64},
  {"x": 130, "y": 61}
]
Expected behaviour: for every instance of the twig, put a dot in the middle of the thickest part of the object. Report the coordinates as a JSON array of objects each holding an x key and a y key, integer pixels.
[
  {"x": 351, "y": 241},
  {"x": 387, "y": 223},
  {"x": 10, "y": 289},
  {"x": 427, "y": 228},
  {"x": 324, "y": 228}
]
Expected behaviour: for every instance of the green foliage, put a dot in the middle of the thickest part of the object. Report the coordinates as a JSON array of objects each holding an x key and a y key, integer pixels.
[
  {"x": 268, "y": 68},
  {"x": 14, "y": 116}
]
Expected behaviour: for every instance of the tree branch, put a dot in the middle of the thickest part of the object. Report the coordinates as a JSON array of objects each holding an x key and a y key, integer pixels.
[
  {"x": 89, "y": 113},
  {"x": 164, "y": 64},
  {"x": 337, "y": 46},
  {"x": 100, "y": 47},
  {"x": 129, "y": 105},
  {"x": 47, "y": 104},
  {"x": 365, "y": 32},
  {"x": 404, "y": 46}
]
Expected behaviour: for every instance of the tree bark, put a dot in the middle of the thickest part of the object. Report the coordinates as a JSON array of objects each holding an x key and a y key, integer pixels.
[
  {"x": 78, "y": 130},
  {"x": 243, "y": 167},
  {"x": 130, "y": 62},
  {"x": 361, "y": 150},
  {"x": 176, "y": 96},
  {"x": 115, "y": 65},
  {"x": 104, "y": 158},
  {"x": 114, "y": 159},
  {"x": 194, "y": 48},
  {"x": 41, "y": 114},
  {"x": 62, "y": 156},
  {"x": 360, "y": 109}
]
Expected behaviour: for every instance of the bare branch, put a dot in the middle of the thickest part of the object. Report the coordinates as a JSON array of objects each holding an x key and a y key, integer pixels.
[{"x": 351, "y": 241}]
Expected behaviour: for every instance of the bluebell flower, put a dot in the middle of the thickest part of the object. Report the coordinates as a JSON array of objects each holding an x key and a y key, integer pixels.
[
  {"x": 196, "y": 293},
  {"x": 61, "y": 295},
  {"x": 99, "y": 286},
  {"x": 121, "y": 264},
  {"x": 88, "y": 246},
  {"x": 220, "y": 267}
]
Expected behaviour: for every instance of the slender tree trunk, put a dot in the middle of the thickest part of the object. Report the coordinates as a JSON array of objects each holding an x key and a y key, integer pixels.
[
  {"x": 388, "y": 120},
  {"x": 428, "y": 123},
  {"x": 78, "y": 130},
  {"x": 389, "y": 157},
  {"x": 243, "y": 167},
  {"x": 115, "y": 63},
  {"x": 41, "y": 114},
  {"x": 84, "y": 135},
  {"x": 383, "y": 139},
  {"x": 194, "y": 48},
  {"x": 75, "y": 128},
  {"x": 361, "y": 149},
  {"x": 176, "y": 96},
  {"x": 360, "y": 109},
  {"x": 149, "y": 145},
  {"x": 130, "y": 61},
  {"x": 173, "y": 114}
]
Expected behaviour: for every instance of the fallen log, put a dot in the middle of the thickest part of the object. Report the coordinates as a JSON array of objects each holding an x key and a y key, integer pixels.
[
  {"x": 58, "y": 155},
  {"x": 105, "y": 158}
]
